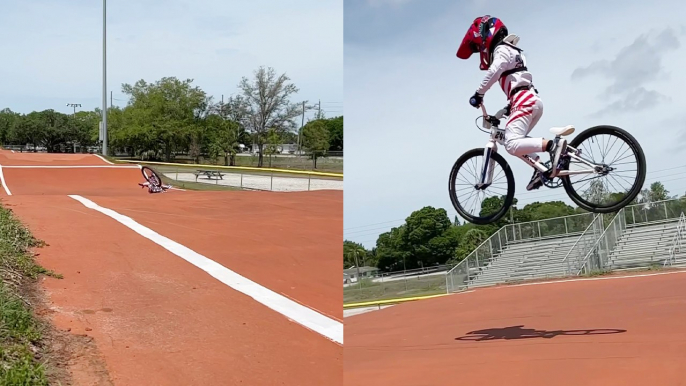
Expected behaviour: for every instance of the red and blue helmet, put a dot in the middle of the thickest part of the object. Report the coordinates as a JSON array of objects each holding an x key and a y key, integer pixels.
[{"x": 482, "y": 36}]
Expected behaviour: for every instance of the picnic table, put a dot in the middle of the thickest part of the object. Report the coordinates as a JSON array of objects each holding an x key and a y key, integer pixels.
[{"x": 208, "y": 173}]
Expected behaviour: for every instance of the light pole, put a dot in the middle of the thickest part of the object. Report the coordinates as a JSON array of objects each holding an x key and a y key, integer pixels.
[
  {"x": 104, "y": 77},
  {"x": 74, "y": 105}
]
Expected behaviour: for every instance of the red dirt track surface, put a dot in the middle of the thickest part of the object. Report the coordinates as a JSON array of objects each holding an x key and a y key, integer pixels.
[
  {"x": 40, "y": 159},
  {"x": 621, "y": 331},
  {"x": 118, "y": 181},
  {"x": 155, "y": 318}
]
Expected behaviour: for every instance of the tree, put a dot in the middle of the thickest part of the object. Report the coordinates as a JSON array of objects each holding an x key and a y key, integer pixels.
[
  {"x": 223, "y": 137},
  {"x": 8, "y": 119},
  {"x": 390, "y": 253},
  {"x": 316, "y": 139},
  {"x": 354, "y": 255},
  {"x": 273, "y": 142},
  {"x": 428, "y": 238},
  {"x": 29, "y": 129},
  {"x": 335, "y": 128},
  {"x": 54, "y": 129},
  {"x": 167, "y": 111},
  {"x": 656, "y": 192},
  {"x": 265, "y": 104},
  {"x": 169, "y": 117},
  {"x": 471, "y": 239},
  {"x": 84, "y": 130}
]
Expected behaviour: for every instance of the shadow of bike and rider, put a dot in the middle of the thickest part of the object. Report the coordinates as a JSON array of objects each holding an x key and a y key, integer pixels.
[{"x": 519, "y": 332}]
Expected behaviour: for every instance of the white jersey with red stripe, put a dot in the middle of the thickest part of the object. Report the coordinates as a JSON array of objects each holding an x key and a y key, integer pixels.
[{"x": 505, "y": 58}]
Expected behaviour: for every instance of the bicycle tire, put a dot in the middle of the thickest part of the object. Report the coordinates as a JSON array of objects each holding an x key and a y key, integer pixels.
[
  {"x": 508, "y": 198},
  {"x": 641, "y": 168},
  {"x": 158, "y": 180}
]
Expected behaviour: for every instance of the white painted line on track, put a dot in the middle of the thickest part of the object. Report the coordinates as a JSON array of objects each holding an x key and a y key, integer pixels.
[
  {"x": 4, "y": 185},
  {"x": 294, "y": 311},
  {"x": 104, "y": 159},
  {"x": 70, "y": 167}
]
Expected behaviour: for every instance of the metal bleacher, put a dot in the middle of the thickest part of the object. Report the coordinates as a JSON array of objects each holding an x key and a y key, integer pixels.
[
  {"x": 638, "y": 236},
  {"x": 644, "y": 245},
  {"x": 526, "y": 260}
]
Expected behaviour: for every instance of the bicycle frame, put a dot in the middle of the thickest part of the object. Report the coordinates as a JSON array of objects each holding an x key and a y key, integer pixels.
[{"x": 498, "y": 137}]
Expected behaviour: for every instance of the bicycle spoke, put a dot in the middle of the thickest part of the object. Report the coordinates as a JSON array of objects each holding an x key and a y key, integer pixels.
[
  {"x": 613, "y": 145},
  {"x": 472, "y": 200},
  {"x": 624, "y": 191},
  {"x": 612, "y": 148},
  {"x": 627, "y": 149}
]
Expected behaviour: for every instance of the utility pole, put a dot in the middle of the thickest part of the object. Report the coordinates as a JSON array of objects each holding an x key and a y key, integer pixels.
[
  {"x": 111, "y": 98},
  {"x": 357, "y": 266},
  {"x": 319, "y": 113},
  {"x": 301, "y": 128},
  {"x": 104, "y": 77}
]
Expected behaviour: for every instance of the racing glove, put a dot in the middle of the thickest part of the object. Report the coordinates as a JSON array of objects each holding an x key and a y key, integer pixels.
[{"x": 476, "y": 100}]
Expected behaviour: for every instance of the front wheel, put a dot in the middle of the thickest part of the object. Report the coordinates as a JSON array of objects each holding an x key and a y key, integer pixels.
[
  {"x": 151, "y": 176},
  {"x": 620, "y": 174},
  {"x": 472, "y": 202}
]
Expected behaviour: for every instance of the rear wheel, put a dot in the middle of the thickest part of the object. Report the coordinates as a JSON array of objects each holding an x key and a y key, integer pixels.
[
  {"x": 621, "y": 170},
  {"x": 472, "y": 203}
]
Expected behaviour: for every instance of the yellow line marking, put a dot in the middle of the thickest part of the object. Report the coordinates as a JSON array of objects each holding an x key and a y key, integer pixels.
[{"x": 391, "y": 301}]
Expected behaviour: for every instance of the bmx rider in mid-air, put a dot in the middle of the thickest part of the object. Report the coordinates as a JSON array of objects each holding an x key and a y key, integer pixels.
[{"x": 504, "y": 62}]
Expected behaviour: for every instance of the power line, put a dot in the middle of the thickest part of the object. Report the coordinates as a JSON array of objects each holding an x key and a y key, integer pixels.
[
  {"x": 378, "y": 223},
  {"x": 368, "y": 230}
]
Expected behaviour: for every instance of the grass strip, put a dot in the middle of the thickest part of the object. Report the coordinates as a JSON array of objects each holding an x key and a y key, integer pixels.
[{"x": 20, "y": 330}]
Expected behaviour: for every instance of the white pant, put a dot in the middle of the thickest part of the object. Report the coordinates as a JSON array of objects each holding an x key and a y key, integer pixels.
[{"x": 525, "y": 112}]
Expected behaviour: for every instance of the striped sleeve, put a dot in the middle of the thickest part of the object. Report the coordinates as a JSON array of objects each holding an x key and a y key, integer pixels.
[{"x": 500, "y": 60}]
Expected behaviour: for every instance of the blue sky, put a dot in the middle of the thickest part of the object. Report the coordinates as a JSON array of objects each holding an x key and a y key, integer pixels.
[
  {"x": 52, "y": 49},
  {"x": 406, "y": 93}
]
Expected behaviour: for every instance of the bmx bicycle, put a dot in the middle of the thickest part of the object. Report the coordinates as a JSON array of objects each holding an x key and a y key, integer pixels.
[
  {"x": 153, "y": 181},
  {"x": 604, "y": 195}
]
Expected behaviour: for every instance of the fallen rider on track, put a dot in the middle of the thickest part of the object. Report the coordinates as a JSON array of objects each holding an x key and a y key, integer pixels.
[{"x": 154, "y": 182}]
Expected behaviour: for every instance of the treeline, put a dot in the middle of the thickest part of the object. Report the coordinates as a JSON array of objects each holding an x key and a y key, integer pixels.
[
  {"x": 172, "y": 116},
  {"x": 429, "y": 237}
]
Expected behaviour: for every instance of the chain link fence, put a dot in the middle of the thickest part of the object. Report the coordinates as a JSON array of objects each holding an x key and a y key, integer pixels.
[
  {"x": 397, "y": 284},
  {"x": 212, "y": 178}
]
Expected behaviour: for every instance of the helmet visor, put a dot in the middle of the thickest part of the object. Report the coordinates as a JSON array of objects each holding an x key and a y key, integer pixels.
[{"x": 470, "y": 44}]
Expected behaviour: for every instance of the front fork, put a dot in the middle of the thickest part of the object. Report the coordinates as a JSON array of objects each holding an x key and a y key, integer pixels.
[{"x": 486, "y": 177}]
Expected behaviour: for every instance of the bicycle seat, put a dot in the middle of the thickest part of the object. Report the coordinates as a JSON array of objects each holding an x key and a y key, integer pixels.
[{"x": 562, "y": 131}]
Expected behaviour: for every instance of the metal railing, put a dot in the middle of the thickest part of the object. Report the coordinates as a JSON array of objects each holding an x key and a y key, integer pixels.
[
  {"x": 657, "y": 211},
  {"x": 581, "y": 246},
  {"x": 458, "y": 277},
  {"x": 217, "y": 177},
  {"x": 675, "y": 248},
  {"x": 551, "y": 227},
  {"x": 599, "y": 254},
  {"x": 583, "y": 256}
]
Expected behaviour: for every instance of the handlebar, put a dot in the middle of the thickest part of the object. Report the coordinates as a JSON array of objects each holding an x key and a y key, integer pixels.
[{"x": 490, "y": 119}]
